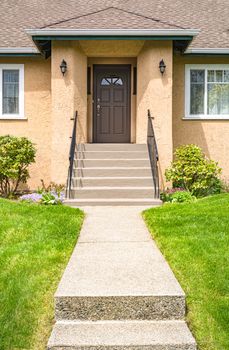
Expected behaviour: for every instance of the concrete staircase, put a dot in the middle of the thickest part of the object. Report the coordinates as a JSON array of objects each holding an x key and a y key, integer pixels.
[
  {"x": 118, "y": 292},
  {"x": 112, "y": 174}
]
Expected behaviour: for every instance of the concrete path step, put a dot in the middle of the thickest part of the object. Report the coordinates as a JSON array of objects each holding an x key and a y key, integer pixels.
[
  {"x": 127, "y": 202},
  {"x": 121, "y": 335},
  {"x": 112, "y": 181},
  {"x": 114, "y": 171},
  {"x": 111, "y": 147},
  {"x": 125, "y": 279}
]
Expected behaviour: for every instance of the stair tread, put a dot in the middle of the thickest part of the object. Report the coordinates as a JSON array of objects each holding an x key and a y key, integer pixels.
[
  {"x": 113, "y": 200},
  {"x": 109, "y": 177},
  {"x": 121, "y": 335},
  {"x": 92, "y": 188}
]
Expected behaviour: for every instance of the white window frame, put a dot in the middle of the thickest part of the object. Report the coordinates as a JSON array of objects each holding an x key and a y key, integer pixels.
[
  {"x": 205, "y": 67},
  {"x": 19, "y": 115}
]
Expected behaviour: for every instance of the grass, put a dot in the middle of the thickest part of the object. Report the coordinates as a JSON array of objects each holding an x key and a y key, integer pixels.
[
  {"x": 35, "y": 245},
  {"x": 194, "y": 238}
]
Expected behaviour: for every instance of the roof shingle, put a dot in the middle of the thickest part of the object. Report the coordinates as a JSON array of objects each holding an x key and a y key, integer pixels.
[{"x": 210, "y": 16}]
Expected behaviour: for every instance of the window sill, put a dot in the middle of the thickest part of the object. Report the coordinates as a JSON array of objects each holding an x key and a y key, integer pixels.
[{"x": 14, "y": 118}]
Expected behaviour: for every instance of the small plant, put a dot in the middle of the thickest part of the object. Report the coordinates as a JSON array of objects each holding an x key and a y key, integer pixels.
[
  {"x": 16, "y": 154},
  {"x": 177, "y": 195},
  {"x": 48, "y": 195},
  {"x": 194, "y": 172}
]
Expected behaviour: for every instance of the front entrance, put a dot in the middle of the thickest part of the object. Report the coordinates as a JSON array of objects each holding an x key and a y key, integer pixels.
[{"x": 111, "y": 113}]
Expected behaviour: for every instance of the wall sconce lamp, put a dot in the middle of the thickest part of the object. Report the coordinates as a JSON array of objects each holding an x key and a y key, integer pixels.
[
  {"x": 63, "y": 67},
  {"x": 162, "y": 66}
]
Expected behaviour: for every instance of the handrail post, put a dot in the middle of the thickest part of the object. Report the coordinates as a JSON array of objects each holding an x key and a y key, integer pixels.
[
  {"x": 71, "y": 155},
  {"x": 153, "y": 154}
]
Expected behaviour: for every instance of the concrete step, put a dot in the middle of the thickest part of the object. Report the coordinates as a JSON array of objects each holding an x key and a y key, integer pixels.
[
  {"x": 114, "y": 171},
  {"x": 113, "y": 192},
  {"x": 111, "y": 147},
  {"x": 121, "y": 281},
  {"x": 104, "y": 335},
  {"x": 110, "y": 163},
  {"x": 112, "y": 181},
  {"x": 112, "y": 155},
  {"x": 113, "y": 202}
]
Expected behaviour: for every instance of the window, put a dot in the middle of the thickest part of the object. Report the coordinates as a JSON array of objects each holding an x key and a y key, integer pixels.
[
  {"x": 11, "y": 91},
  {"x": 207, "y": 91}
]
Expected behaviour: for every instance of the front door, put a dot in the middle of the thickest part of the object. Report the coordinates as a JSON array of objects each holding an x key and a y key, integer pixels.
[{"x": 111, "y": 103}]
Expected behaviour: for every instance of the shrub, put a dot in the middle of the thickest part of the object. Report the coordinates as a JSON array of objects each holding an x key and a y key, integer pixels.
[
  {"x": 194, "y": 172},
  {"x": 16, "y": 154},
  {"x": 177, "y": 195}
]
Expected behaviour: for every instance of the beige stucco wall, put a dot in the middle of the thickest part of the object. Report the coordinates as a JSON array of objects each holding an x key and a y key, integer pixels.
[
  {"x": 154, "y": 92},
  {"x": 37, "y": 125},
  {"x": 211, "y": 135},
  {"x": 68, "y": 95}
]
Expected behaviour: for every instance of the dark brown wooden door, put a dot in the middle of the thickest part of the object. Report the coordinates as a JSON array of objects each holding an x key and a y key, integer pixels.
[{"x": 111, "y": 103}]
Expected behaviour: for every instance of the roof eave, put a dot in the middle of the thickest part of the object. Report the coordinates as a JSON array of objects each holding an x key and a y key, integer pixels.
[
  {"x": 207, "y": 51},
  {"x": 112, "y": 32},
  {"x": 19, "y": 51}
]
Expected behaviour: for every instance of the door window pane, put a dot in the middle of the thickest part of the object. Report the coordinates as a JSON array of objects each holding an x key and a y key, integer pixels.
[
  {"x": 111, "y": 81},
  {"x": 197, "y": 91},
  {"x": 10, "y": 82}
]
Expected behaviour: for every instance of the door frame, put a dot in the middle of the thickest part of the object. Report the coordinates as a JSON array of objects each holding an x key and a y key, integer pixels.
[{"x": 94, "y": 117}]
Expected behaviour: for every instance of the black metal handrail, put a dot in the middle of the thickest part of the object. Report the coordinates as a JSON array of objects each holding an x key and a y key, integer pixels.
[
  {"x": 72, "y": 156},
  {"x": 153, "y": 155}
]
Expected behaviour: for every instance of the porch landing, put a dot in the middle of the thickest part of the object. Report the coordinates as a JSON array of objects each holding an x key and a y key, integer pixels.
[{"x": 117, "y": 291}]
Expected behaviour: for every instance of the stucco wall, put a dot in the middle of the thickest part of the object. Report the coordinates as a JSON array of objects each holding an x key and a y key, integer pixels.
[
  {"x": 211, "y": 135},
  {"x": 37, "y": 126},
  {"x": 154, "y": 92},
  {"x": 68, "y": 95}
]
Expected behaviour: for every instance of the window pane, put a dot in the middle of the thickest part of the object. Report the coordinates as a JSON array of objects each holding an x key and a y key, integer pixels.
[
  {"x": 219, "y": 75},
  {"x": 218, "y": 99},
  {"x": 10, "y": 82},
  {"x": 226, "y": 76},
  {"x": 197, "y": 76},
  {"x": 197, "y": 92},
  {"x": 211, "y": 75}
]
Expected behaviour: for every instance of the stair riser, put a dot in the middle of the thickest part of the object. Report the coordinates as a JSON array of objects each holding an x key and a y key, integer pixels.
[
  {"x": 111, "y": 155},
  {"x": 112, "y": 147},
  {"x": 131, "y": 182},
  {"x": 127, "y": 347},
  {"x": 120, "y": 308},
  {"x": 132, "y": 202},
  {"x": 85, "y": 163},
  {"x": 112, "y": 193},
  {"x": 112, "y": 172}
]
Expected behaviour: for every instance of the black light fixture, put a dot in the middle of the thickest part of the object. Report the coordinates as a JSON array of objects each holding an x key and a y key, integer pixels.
[
  {"x": 162, "y": 66},
  {"x": 63, "y": 67}
]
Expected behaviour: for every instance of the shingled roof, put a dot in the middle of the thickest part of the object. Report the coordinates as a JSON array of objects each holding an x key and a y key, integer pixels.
[{"x": 211, "y": 17}]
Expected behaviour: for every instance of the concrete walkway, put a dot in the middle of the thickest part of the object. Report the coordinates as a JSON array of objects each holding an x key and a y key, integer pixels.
[{"x": 117, "y": 291}]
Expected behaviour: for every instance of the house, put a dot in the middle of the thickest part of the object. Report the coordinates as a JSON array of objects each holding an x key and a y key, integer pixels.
[{"x": 112, "y": 61}]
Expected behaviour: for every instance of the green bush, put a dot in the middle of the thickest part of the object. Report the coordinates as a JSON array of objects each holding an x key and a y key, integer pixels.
[
  {"x": 16, "y": 154},
  {"x": 177, "y": 195},
  {"x": 194, "y": 172}
]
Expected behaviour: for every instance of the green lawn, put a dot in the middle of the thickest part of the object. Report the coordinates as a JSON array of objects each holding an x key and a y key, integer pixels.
[
  {"x": 35, "y": 245},
  {"x": 194, "y": 238}
]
